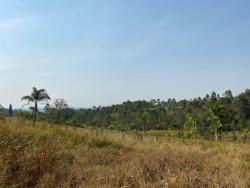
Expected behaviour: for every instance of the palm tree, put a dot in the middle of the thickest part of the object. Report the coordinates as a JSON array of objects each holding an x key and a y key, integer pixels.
[
  {"x": 215, "y": 123},
  {"x": 37, "y": 96}
]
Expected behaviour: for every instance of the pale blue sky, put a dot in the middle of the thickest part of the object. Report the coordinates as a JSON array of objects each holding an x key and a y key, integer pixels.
[{"x": 101, "y": 52}]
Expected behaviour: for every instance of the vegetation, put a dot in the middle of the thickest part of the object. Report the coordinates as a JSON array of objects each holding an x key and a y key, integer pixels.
[
  {"x": 49, "y": 156},
  {"x": 10, "y": 110},
  {"x": 212, "y": 116},
  {"x": 135, "y": 144},
  {"x": 56, "y": 110},
  {"x": 37, "y": 96}
]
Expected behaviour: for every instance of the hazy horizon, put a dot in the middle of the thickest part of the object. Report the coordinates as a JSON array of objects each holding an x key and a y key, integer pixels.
[{"x": 102, "y": 53}]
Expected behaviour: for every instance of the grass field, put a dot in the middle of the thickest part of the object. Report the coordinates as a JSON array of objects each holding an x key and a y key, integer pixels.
[{"x": 52, "y": 156}]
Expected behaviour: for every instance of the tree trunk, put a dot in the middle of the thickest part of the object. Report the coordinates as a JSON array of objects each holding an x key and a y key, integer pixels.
[
  {"x": 216, "y": 135},
  {"x": 35, "y": 114}
]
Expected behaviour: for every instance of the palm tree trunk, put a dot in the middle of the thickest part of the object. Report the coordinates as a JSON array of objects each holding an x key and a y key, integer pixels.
[
  {"x": 35, "y": 117},
  {"x": 35, "y": 114}
]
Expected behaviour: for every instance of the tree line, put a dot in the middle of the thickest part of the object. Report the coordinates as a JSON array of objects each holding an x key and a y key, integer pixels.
[{"x": 208, "y": 116}]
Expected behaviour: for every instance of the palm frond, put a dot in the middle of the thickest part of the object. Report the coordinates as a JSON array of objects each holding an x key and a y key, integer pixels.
[
  {"x": 26, "y": 104},
  {"x": 28, "y": 98},
  {"x": 42, "y": 91},
  {"x": 44, "y": 96}
]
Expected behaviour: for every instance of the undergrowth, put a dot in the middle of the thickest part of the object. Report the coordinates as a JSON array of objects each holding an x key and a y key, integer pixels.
[{"x": 51, "y": 156}]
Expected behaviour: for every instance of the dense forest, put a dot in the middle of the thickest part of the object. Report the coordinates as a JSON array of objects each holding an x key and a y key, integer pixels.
[{"x": 211, "y": 115}]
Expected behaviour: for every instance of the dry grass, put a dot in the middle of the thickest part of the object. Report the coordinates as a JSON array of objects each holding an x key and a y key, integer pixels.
[{"x": 46, "y": 156}]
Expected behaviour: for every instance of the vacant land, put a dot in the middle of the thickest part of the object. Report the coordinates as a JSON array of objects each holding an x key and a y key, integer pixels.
[{"x": 52, "y": 156}]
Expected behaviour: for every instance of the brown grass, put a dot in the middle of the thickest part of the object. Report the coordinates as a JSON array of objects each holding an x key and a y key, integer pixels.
[{"x": 47, "y": 156}]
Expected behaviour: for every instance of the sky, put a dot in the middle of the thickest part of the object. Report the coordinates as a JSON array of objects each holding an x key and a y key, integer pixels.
[{"x": 97, "y": 52}]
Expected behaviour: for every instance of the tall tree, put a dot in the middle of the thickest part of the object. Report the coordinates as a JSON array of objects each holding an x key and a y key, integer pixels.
[
  {"x": 10, "y": 110},
  {"x": 37, "y": 96},
  {"x": 243, "y": 105},
  {"x": 228, "y": 94},
  {"x": 58, "y": 107}
]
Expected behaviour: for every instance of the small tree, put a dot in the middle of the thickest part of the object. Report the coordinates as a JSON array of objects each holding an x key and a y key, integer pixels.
[
  {"x": 143, "y": 120},
  {"x": 215, "y": 123},
  {"x": 190, "y": 127},
  {"x": 245, "y": 135},
  {"x": 2, "y": 119},
  {"x": 37, "y": 96}
]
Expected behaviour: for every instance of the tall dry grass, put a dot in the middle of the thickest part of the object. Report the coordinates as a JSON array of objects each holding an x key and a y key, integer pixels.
[{"x": 48, "y": 156}]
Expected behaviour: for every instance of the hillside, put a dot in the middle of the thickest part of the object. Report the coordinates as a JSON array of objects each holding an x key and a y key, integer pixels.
[
  {"x": 51, "y": 156},
  {"x": 208, "y": 117}
]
